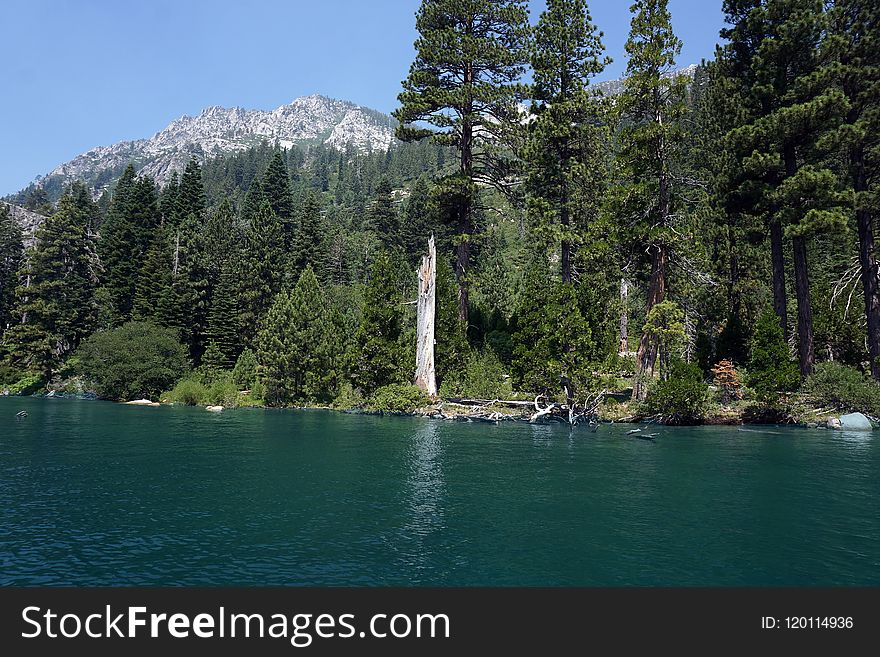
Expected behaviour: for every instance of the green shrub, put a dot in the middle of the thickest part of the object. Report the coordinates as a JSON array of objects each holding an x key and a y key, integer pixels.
[
  {"x": 223, "y": 392},
  {"x": 348, "y": 398},
  {"x": 138, "y": 359},
  {"x": 483, "y": 378},
  {"x": 27, "y": 385},
  {"x": 771, "y": 370},
  {"x": 398, "y": 398},
  {"x": 619, "y": 365},
  {"x": 188, "y": 391},
  {"x": 682, "y": 398},
  {"x": 846, "y": 388},
  {"x": 9, "y": 374}
]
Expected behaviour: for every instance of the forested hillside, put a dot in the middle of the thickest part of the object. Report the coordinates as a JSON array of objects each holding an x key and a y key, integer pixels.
[{"x": 680, "y": 233}]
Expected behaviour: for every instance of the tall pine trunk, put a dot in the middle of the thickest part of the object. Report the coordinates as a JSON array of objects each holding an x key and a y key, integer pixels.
[
  {"x": 805, "y": 310},
  {"x": 647, "y": 353},
  {"x": 869, "y": 267}
]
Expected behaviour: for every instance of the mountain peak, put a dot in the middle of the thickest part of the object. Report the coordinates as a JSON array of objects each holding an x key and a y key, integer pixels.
[{"x": 218, "y": 130}]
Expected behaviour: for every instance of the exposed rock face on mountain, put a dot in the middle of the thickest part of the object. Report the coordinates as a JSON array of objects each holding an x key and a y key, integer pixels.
[
  {"x": 614, "y": 87},
  {"x": 29, "y": 221},
  {"x": 218, "y": 130}
]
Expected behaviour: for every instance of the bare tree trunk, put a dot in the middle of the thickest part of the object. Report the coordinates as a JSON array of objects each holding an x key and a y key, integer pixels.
[
  {"x": 624, "y": 316},
  {"x": 780, "y": 304},
  {"x": 805, "y": 309},
  {"x": 869, "y": 266},
  {"x": 425, "y": 376}
]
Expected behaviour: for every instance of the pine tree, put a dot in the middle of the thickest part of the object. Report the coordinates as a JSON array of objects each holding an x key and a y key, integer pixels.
[
  {"x": 154, "y": 277},
  {"x": 293, "y": 347},
  {"x": 168, "y": 199},
  {"x": 276, "y": 190},
  {"x": 418, "y": 221},
  {"x": 309, "y": 243},
  {"x": 11, "y": 261},
  {"x": 383, "y": 219},
  {"x": 771, "y": 369},
  {"x": 551, "y": 338},
  {"x": 125, "y": 236},
  {"x": 262, "y": 270},
  {"x": 854, "y": 48},
  {"x": 224, "y": 318},
  {"x": 378, "y": 351},
  {"x": 214, "y": 363},
  {"x": 117, "y": 238},
  {"x": 568, "y": 139},
  {"x": 450, "y": 343},
  {"x": 470, "y": 55},
  {"x": 190, "y": 195},
  {"x": 37, "y": 200},
  {"x": 783, "y": 143},
  {"x": 56, "y": 299},
  {"x": 652, "y": 103}
]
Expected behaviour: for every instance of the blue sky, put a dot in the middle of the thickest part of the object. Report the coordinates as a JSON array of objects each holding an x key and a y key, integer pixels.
[{"x": 82, "y": 73}]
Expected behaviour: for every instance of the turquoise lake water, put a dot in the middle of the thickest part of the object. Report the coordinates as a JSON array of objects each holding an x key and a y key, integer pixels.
[{"x": 94, "y": 493}]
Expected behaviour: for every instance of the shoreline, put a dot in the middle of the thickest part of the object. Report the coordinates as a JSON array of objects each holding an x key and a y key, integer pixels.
[{"x": 452, "y": 412}]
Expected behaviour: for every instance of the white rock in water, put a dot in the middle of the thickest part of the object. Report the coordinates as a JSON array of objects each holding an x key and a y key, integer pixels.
[
  {"x": 833, "y": 423},
  {"x": 214, "y": 409},
  {"x": 855, "y": 422},
  {"x": 143, "y": 402}
]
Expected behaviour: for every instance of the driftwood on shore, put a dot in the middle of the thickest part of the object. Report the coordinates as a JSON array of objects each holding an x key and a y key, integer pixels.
[{"x": 544, "y": 410}]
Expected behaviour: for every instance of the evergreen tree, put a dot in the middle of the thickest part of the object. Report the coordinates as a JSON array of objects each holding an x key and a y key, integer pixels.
[
  {"x": 470, "y": 55},
  {"x": 168, "y": 199},
  {"x": 262, "y": 270},
  {"x": 782, "y": 144},
  {"x": 154, "y": 277},
  {"x": 214, "y": 363},
  {"x": 276, "y": 190},
  {"x": 378, "y": 351},
  {"x": 309, "y": 245},
  {"x": 11, "y": 261},
  {"x": 190, "y": 195},
  {"x": 294, "y": 346},
  {"x": 38, "y": 201},
  {"x": 383, "y": 219},
  {"x": 117, "y": 237},
  {"x": 56, "y": 299},
  {"x": 771, "y": 369},
  {"x": 125, "y": 236},
  {"x": 244, "y": 373},
  {"x": 551, "y": 338},
  {"x": 450, "y": 343},
  {"x": 418, "y": 221},
  {"x": 652, "y": 103},
  {"x": 224, "y": 318},
  {"x": 854, "y": 48},
  {"x": 568, "y": 142}
]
